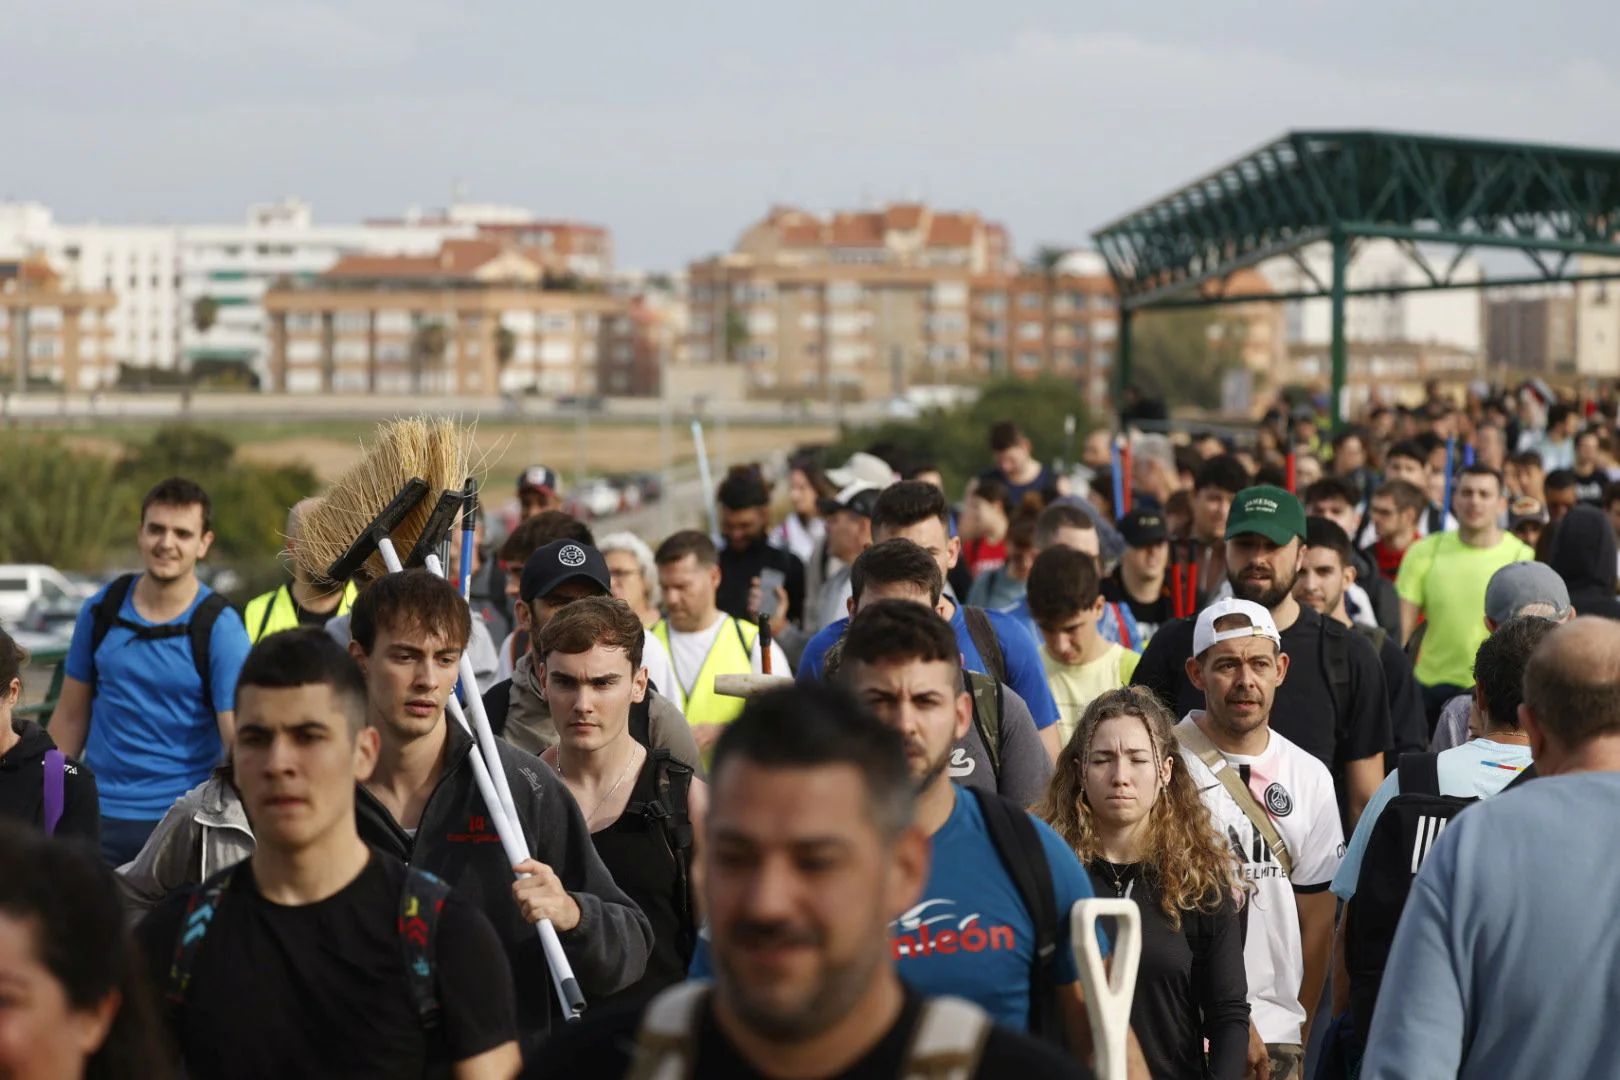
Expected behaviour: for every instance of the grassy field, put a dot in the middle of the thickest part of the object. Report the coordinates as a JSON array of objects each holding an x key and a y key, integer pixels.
[{"x": 605, "y": 446}]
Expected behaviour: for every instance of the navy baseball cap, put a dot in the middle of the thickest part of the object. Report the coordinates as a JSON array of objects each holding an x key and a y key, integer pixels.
[{"x": 560, "y": 561}]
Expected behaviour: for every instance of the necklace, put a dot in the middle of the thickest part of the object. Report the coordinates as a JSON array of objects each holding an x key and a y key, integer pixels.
[
  {"x": 1117, "y": 875},
  {"x": 631, "y": 760}
]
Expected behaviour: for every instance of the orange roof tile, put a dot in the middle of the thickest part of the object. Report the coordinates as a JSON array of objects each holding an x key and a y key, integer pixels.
[
  {"x": 904, "y": 216},
  {"x": 952, "y": 230},
  {"x": 807, "y": 233},
  {"x": 861, "y": 229}
]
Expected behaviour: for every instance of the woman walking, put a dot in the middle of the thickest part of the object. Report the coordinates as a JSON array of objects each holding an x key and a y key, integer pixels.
[{"x": 1122, "y": 798}]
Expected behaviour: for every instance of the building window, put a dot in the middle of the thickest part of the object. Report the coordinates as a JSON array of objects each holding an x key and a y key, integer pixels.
[
  {"x": 1030, "y": 331},
  {"x": 303, "y": 322},
  {"x": 809, "y": 320},
  {"x": 556, "y": 322},
  {"x": 845, "y": 292},
  {"x": 1029, "y": 301},
  {"x": 762, "y": 322},
  {"x": 950, "y": 294},
  {"x": 952, "y": 323},
  {"x": 1029, "y": 361},
  {"x": 1102, "y": 358},
  {"x": 993, "y": 301},
  {"x": 352, "y": 322}
]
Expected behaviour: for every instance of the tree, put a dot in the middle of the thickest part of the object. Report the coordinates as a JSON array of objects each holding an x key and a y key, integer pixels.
[
  {"x": 505, "y": 345},
  {"x": 1182, "y": 355},
  {"x": 204, "y": 314},
  {"x": 1046, "y": 260},
  {"x": 427, "y": 349},
  {"x": 736, "y": 333}
]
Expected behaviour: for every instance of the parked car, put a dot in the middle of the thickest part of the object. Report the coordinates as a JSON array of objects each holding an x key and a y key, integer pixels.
[
  {"x": 22, "y": 584},
  {"x": 599, "y": 498}
]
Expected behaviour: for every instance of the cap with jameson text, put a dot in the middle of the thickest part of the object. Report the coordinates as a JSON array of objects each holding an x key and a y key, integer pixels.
[
  {"x": 1260, "y": 624},
  {"x": 560, "y": 561},
  {"x": 1266, "y": 511}
]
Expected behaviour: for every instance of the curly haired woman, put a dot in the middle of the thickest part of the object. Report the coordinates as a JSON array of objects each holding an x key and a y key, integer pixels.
[{"x": 1122, "y": 798}]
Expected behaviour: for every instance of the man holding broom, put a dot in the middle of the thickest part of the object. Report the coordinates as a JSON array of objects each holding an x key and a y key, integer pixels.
[{"x": 421, "y": 804}]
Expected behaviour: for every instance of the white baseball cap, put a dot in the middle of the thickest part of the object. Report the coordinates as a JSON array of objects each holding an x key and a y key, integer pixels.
[{"x": 1261, "y": 624}]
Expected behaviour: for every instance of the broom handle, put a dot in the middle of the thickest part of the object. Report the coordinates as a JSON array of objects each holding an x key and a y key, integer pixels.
[{"x": 507, "y": 825}]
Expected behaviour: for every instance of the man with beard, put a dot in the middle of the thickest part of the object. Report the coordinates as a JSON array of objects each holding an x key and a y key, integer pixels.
[
  {"x": 745, "y": 522},
  {"x": 901, "y": 660},
  {"x": 1274, "y": 802},
  {"x": 816, "y": 844},
  {"x": 1333, "y": 705}
]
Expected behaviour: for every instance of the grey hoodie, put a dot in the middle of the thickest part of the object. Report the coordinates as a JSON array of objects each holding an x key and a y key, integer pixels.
[{"x": 205, "y": 831}]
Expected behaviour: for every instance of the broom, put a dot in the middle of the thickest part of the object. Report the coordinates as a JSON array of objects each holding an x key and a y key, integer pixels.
[{"x": 384, "y": 502}]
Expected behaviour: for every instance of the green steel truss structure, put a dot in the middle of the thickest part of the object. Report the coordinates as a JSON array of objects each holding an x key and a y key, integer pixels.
[{"x": 1547, "y": 203}]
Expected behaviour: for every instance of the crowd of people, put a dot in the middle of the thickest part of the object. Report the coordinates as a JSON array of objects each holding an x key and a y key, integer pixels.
[{"x": 1248, "y": 680}]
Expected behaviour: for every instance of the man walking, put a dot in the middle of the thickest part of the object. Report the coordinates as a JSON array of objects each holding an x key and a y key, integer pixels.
[
  {"x": 1485, "y": 976},
  {"x": 1275, "y": 803},
  {"x": 318, "y": 956},
  {"x": 302, "y": 602},
  {"x": 147, "y": 701}
]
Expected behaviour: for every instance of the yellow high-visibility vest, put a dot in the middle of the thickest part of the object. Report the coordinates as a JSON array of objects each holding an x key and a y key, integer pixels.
[
  {"x": 731, "y": 654},
  {"x": 274, "y": 611}
]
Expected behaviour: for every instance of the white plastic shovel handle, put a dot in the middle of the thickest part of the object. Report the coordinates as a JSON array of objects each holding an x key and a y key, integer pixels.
[{"x": 1108, "y": 992}]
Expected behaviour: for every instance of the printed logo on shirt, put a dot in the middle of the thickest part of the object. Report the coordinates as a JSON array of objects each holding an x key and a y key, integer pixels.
[
  {"x": 934, "y": 928},
  {"x": 1277, "y": 801},
  {"x": 478, "y": 832},
  {"x": 960, "y": 764},
  {"x": 1255, "y": 855}
]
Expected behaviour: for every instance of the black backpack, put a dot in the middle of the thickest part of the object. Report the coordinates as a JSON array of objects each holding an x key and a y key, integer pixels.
[
  {"x": 983, "y": 634},
  {"x": 1018, "y": 843},
  {"x": 1401, "y": 839},
  {"x": 200, "y": 629},
  {"x": 988, "y": 701},
  {"x": 670, "y": 813}
]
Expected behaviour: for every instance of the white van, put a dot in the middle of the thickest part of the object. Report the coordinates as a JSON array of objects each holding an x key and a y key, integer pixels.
[{"x": 21, "y": 584}]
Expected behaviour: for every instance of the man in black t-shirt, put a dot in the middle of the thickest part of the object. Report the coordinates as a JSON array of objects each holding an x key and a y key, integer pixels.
[
  {"x": 745, "y": 520},
  {"x": 299, "y": 960},
  {"x": 1138, "y": 580},
  {"x": 1333, "y": 704},
  {"x": 811, "y": 852}
]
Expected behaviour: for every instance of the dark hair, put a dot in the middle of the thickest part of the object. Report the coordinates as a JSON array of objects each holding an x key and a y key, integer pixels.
[
  {"x": 1557, "y": 413},
  {"x": 1102, "y": 486},
  {"x": 1592, "y": 430},
  {"x": 1526, "y": 459},
  {"x": 896, "y": 562},
  {"x": 413, "y": 600},
  {"x": 1499, "y": 666},
  {"x": 1322, "y": 533},
  {"x": 1331, "y": 487},
  {"x": 592, "y": 621},
  {"x": 687, "y": 542},
  {"x": 177, "y": 491},
  {"x": 992, "y": 490},
  {"x": 908, "y": 503},
  {"x": 1410, "y": 450},
  {"x": 1004, "y": 435},
  {"x": 816, "y": 725},
  {"x": 1060, "y": 515},
  {"x": 1357, "y": 433},
  {"x": 1405, "y": 494},
  {"x": 1189, "y": 461},
  {"x": 1559, "y": 480},
  {"x": 1573, "y": 699},
  {"x": 899, "y": 630},
  {"x": 13, "y": 658},
  {"x": 917, "y": 466},
  {"x": 1428, "y": 442},
  {"x": 1271, "y": 473},
  {"x": 1223, "y": 471},
  {"x": 1021, "y": 529},
  {"x": 307, "y": 657},
  {"x": 1062, "y": 583},
  {"x": 535, "y": 533},
  {"x": 810, "y": 465},
  {"x": 70, "y": 904},
  {"x": 744, "y": 488},
  {"x": 1611, "y": 495},
  {"x": 1481, "y": 469}
]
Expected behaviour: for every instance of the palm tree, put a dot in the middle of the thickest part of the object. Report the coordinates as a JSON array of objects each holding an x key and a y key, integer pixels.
[
  {"x": 505, "y": 345},
  {"x": 431, "y": 341},
  {"x": 204, "y": 314}
]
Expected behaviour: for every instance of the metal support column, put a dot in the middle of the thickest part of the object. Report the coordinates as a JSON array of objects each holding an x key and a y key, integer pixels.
[
  {"x": 1341, "y": 264},
  {"x": 1122, "y": 362}
]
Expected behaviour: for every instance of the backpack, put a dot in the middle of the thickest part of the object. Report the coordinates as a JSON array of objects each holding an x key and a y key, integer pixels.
[
  {"x": 670, "y": 812},
  {"x": 984, "y": 638},
  {"x": 421, "y": 902},
  {"x": 988, "y": 699},
  {"x": 1401, "y": 839},
  {"x": 1018, "y": 843},
  {"x": 105, "y": 615},
  {"x": 947, "y": 1043},
  {"x": 55, "y": 783}
]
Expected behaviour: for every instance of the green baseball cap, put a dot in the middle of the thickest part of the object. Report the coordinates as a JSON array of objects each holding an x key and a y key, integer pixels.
[{"x": 1267, "y": 511}]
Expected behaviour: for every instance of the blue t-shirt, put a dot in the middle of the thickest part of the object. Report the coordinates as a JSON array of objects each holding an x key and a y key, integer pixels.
[
  {"x": 970, "y": 935},
  {"x": 152, "y": 739},
  {"x": 1019, "y": 652}
]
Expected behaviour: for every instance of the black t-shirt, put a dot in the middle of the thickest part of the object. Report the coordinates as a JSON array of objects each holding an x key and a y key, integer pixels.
[
  {"x": 738, "y": 569},
  {"x": 1303, "y": 711},
  {"x": 22, "y": 785},
  {"x": 1190, "y": 983},
  {"x": 1149, "y": 616},
  {"x": 320, "y": 990},
  {"x": 602, "y": 1048}
]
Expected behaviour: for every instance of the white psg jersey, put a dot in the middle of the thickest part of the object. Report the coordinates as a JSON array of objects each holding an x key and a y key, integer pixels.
[{"x": 1297, "y": 792}]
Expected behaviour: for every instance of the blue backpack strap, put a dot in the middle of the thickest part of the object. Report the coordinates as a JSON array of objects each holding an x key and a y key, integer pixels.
[
  {"x": 421, "y": 903},
  {"x": 193, "y": 928}
]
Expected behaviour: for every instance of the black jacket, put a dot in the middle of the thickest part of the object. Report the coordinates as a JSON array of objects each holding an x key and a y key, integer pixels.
[
  {"x": 456, "y": 840},
  {"x": 22, "y": 786},
  {"x": 1583, "y": 553}
]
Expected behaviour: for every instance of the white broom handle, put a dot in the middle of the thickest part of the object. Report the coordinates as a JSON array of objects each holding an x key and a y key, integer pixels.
[
  {"x": 507, "y": 824},
  {"x": 1108, "y": 991}
]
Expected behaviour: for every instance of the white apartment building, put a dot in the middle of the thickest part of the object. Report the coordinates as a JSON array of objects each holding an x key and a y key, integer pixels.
[
  {"x": 1453, "y": 318},
  {"x": 1597, "y": 320}
]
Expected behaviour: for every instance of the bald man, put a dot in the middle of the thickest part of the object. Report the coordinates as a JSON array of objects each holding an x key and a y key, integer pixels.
[
  {"x": 302, "y": 601},
  {"x": 1505, "y": 958}
]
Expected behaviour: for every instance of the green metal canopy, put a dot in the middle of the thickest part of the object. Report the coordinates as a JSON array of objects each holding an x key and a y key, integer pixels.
[{"x": 1548, "y": 203}]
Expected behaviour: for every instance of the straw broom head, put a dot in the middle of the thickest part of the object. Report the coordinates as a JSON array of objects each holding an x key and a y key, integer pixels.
[{"x": 435, "y": 449}]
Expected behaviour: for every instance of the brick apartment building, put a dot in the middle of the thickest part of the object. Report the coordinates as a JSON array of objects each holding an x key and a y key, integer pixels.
[
  {"x": 864, "y": 304},
  {"x": 51, "y": 332},
  {"x": 475, "y": 318}
]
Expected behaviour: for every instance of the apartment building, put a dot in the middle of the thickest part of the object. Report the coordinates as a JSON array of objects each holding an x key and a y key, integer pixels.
[
  {"x": 475, "y": 317},
  {"x": 1531, "y": 328},
  {"x": 1597, "y": 320},
  {"x": 50, "y": 332}
]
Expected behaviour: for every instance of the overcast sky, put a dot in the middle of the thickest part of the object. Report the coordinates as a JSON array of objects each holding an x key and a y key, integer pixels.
[{"x": 678, "y": 124}]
